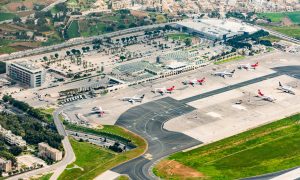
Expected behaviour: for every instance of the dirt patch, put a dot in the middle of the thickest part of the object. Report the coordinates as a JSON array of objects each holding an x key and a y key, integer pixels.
[
  {"x": 174, "y": 169},
  {"x": 25, "y": 44},
  {"x": 139, "y": 14},
  {"x": 286, "y": 22},
  {"x": 13, "y": 6}
]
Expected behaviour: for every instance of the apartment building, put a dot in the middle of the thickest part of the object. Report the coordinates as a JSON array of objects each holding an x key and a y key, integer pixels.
[
  {"x": 26, "y": 73},
  {"x": 5, "y": 165},
  {"x": 46, "y": 151},
  {"x": 11, "y": 138}
]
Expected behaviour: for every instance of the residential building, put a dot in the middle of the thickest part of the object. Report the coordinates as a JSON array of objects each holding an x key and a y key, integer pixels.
[
  {"x": 5, "y": 165},
  {"x": 46, "y": 151},
  {"x": 11, "y": 138},
  {"x": 26, "y": 73}
]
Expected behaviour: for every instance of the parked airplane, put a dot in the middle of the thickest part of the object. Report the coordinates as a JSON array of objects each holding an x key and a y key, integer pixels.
[
  {"x": 224, "y": 73},
  {"x": 248, "y": 66},
  {"x": 194, "y": 81},
  {"x": 133, "y": 99},
  {"x": 164, "y": 90},
  {"x": 286, "y": 89},
  {"x": 264, "y": 97},
  {"x": 99, "y": 110}
]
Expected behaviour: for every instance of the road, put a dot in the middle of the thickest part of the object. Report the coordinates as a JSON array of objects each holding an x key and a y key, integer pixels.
[
  {"x": 58, "y": 168},
  {"x": 147, "y": 120}
]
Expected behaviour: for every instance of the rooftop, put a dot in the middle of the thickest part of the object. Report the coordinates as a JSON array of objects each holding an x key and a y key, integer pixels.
[{"x": 28, "y": 65}]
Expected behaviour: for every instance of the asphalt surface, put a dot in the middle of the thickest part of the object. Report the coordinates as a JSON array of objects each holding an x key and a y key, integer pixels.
[{"x": 147, "y": 120}]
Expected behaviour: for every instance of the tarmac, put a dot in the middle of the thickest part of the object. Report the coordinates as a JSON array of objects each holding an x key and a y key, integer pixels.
[{"x": 148, "y": 120}]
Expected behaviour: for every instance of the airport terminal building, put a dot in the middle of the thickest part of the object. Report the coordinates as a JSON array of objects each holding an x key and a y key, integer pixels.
[
  {"x": 216, "y": 29},
  {"x": 26, "y": 73}
]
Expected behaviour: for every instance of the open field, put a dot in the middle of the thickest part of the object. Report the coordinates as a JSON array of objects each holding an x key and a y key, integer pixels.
[
  {"x": 293, "y": 31},
  {"x": 73, "y": 30},
  {"x": 278, "y": 17},
  {"x": 266, "y": 149},
  {"x": 95, "y": 160},
  {"x": 271, "y": 38},
  {"x": 179, "y": 36},
  {"x": 236, "y": 58},
  {"x": 6, "y": 16}
]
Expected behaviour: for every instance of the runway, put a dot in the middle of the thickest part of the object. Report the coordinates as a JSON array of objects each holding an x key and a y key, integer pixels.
[{"x": 147, "y": 120}]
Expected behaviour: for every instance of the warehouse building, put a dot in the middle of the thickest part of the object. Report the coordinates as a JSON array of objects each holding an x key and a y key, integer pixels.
[{"x": 26, "y": 73}]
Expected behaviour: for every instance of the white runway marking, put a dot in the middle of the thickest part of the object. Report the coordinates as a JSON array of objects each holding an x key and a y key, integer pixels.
[
  {"x": 214, "y": 114},
  {"x": 240, "y": 107}
]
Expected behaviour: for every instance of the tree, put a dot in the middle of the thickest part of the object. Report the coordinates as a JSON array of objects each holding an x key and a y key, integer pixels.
[
  {"x": 68, "y": 53},
  {"x": 17, "y": 19},
  {"x": 56, "y": 55},
  {"x": 188, "y": 42},
  {"x": 61, "y": 7},
  {"x": 15, "y": 150},
  {"x": 122, "y": 58},
  {"x": 45, "y": 58}
]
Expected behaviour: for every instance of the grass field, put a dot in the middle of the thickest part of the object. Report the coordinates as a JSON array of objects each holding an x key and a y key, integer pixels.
[
  {"x": 46, "y": 177},
  {"x": 6, "y": 16},
  {"x": 179, "y": 36},
  {"x": 73, "y": 30},
  {"x": 95, "y": 160},
  {"x": 277, "y": 17},
  {"x": 271, "y": 38},
  {"x": 269, "y": 148},
  {"x": 236, "y": 58},
  {"x": 293, "y": 31}
]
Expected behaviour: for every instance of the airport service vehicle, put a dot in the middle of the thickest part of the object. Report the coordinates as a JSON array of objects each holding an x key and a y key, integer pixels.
[
  {"x": 133, "y": 99},
  {"x": 286, "y": 89},
  {"x": 164, "y": 90},
  {"x": 248, "y": 66},
  {"x": 194, "y": 81},
  {"x": 264, "y": 97},
  {"x": 99, "y": 110},
  {"x": 224, "y": 73}
]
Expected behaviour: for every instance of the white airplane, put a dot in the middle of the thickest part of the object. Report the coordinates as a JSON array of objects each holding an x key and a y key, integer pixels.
[
  {"x": 164, "y": 90},
  {"x": 99, "y": 110},
  {"x": 264, "y": 97},
  {"x": 194, "y": 81},
  {"x": 224, "y": 73},
  {"x": 248, "y": 66},
  {"x": 133, "y": 99},
  {"x": 286, "y": 89}
]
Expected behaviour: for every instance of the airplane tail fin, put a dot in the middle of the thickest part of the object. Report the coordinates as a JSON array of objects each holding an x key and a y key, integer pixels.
[
  {"x": 280, "y": 85},
  {"x": 260, "y": 93},
  {"x": 142, "y": 97},
  {"x": 232, "y": 72}
]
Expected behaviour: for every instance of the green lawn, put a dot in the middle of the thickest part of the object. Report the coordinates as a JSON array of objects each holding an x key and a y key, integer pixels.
[
  {"x": 271, "y": 38},
  {"x": 269, "y": 148},
  {"x": 294, "y": 16},
  {"x": 46, "y": 177},
  {"x": 277, "y": 17},
  {"x": 293, "y": 31},
  {"x": 179, "y": 36},
  {"x": 95, "y": 160},
  {"x": 73, "y": 30},
  {"x": 6, "y": 16},
  {"x": 236, "y": 58}
]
